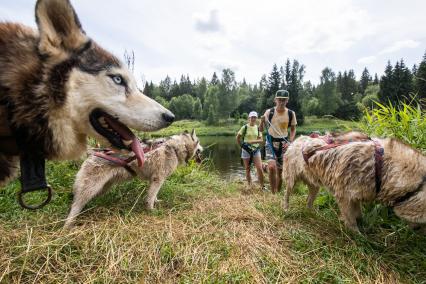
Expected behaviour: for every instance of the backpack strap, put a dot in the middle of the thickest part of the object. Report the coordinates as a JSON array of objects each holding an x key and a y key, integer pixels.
[
  {"x": 290, "y": 116},
  {"x": 243, "y": 135},
  {"x": 271, "y": 114}
]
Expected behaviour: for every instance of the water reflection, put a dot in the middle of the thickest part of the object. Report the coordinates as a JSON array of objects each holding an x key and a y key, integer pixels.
[{"x": 225, "y": 155}]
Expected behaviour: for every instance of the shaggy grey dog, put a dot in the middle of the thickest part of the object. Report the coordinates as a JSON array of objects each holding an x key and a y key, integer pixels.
[{"x": 351, "y": 173}]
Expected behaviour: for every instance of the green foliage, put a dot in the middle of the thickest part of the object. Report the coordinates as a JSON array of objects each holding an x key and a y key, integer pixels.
[
  {"x": 405, "y": 122},
  {"x": 212, "y": 116},
  {"x": 162, "y": 101},
  {"x": 326, "y": 93},
  {"x": 182, "y": 106},
  {"x": 371, "y": 96},
  {"x": 198, "y": 110},
  {"x": 211, "y": 102}
]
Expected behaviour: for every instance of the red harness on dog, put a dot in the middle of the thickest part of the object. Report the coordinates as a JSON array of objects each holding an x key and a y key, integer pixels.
[{"x": 331, "y": 143}]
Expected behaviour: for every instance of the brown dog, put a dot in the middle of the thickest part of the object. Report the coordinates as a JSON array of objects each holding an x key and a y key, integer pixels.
[{"x": 354, "y": 172}]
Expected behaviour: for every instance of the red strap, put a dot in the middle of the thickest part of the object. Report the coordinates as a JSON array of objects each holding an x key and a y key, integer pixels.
[
  {"x": 379, "y": 152},
  {"x": 307, "y": 155}
]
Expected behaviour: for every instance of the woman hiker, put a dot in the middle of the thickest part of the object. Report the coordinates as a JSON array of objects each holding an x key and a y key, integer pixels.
[{"x": 249, "y": 138}]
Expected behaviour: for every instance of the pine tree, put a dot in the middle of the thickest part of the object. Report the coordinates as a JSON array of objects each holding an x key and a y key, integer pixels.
[
  {"x": 274, "y": 84},
  {"x": 214, "y": 81},
  {"x": 148, "y": 89},
  {"x": 376, "y": 79},
  {"x": 347, "y": 87},
  {"x": 421, "y": 80},
  {"x": 386, "y": 84},
  {"x": 365, "y": 80},
  {"x": 165, "y": 88},
  {"x": 228, "y": 93},
  {"x": 294, "y": 87},
  {"x": 287, "y": 72},
  {"x": 200, "y": 89}
]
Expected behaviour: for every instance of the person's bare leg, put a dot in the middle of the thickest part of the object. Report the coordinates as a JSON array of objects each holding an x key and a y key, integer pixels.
[
  {"x": 258, "y": 164},
  {"x": 272, "y": 171},
  {"x": 247, "y": 167}
]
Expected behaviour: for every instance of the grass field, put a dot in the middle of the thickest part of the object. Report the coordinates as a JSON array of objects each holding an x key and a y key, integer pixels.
[
  {"x": 230, "y": 127},
  {"x": 205, "y": 230}
]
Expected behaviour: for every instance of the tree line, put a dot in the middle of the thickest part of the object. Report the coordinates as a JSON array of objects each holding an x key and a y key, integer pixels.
[{"x": 340, "y": 95}]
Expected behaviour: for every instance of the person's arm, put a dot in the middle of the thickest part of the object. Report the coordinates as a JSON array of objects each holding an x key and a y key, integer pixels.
[
  {"x": 292, "y": 133},
  {"x": 239, "y": 139},
  {"x": 262, "y": 120}
]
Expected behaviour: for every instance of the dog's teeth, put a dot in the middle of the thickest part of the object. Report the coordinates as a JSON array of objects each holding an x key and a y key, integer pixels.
[{"x": 127, "y": 142}]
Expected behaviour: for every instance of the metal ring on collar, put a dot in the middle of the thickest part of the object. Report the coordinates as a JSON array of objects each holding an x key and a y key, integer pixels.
[{"x": 34, "y": 207}]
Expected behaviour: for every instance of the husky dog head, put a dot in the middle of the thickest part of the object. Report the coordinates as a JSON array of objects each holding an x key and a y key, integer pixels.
[
  {"x": 90, "y": 86},
  {"x": 192, "y": 144}
]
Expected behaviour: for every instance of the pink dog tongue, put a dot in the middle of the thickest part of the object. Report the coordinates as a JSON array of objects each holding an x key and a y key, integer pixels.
[
  {"x": 127, "y": 134},
  {"x": 137, "y": 149}
]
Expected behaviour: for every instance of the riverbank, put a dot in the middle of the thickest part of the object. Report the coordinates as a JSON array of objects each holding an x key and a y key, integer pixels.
[
  {"x": 230, "y": 127},
  {"x": 204, "y": 230}
]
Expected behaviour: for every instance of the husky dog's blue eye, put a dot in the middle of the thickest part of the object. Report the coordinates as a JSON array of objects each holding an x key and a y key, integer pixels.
[{"x": 118, "y": 80}]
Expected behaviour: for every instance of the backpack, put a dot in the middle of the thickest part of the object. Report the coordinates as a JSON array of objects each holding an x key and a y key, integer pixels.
[{"x": 290, "y": 115}]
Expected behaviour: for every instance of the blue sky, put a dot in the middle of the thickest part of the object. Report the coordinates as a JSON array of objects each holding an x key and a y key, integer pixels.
[{"x": 200, "y": 37}]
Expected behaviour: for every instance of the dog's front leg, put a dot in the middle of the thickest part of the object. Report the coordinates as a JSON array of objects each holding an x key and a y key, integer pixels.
[
  {"x": 313, "y": 192},
  {"x": 154, "y": 187}
]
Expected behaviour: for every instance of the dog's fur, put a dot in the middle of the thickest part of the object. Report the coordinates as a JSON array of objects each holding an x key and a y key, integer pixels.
[
  {"x": 51, "y": 81},
  {"x": 96, "y": 175},
  {"x": 348, "y": 171}
]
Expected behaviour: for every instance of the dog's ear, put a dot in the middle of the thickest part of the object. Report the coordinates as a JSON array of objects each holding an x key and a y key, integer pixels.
[
  {"x": 59, "y": 27},
  {"x": 193, "y": 135}
]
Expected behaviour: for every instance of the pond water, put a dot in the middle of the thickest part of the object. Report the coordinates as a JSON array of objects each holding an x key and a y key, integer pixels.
[{"x": 225, "y": 154}]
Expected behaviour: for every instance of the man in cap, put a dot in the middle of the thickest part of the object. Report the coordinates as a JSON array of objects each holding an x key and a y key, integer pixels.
[
  {"x": 249, "y": 138},
  {"x": 277, "y": 120}
]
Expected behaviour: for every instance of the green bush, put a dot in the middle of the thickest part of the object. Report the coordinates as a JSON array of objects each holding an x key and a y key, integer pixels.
[{"x": 405, "y": 122}]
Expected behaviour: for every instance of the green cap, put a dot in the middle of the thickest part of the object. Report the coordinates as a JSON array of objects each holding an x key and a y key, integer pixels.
[{"x": 282, "y": 94}]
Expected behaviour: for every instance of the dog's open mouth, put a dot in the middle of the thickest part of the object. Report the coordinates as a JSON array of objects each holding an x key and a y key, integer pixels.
[
  {"x": 198, "y": 158},
  {"x": 118, "y": 134}
]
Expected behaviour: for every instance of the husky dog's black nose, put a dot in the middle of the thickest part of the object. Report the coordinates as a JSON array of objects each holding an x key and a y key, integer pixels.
[{"x": 168, "y": 117}]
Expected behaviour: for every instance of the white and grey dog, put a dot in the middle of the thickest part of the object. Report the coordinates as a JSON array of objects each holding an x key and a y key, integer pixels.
[{"x": 96, "y": 174}]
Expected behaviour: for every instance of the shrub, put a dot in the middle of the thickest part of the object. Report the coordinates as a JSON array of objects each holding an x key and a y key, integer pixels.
[{"x": 406, "y": 122}]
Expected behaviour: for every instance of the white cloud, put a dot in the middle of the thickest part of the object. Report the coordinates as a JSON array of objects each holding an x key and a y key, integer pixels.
[
  {"x": 366, "y": 60},
  {"x": 400, "y": 45},
  {"x": 208, "y": 24},
  {"x": 200, "y": 37}
]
